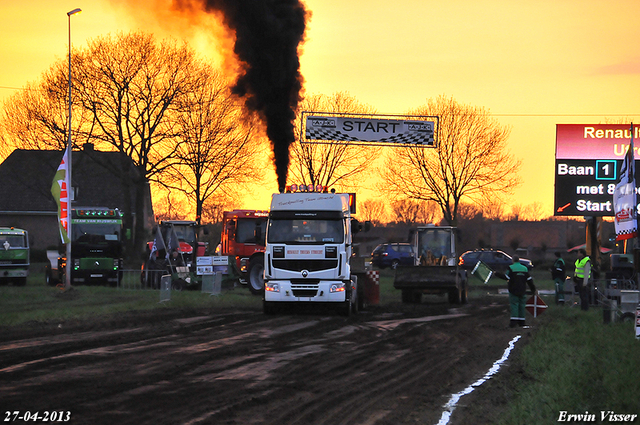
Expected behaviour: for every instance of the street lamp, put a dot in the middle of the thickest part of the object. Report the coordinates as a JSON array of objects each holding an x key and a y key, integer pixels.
[{"x": 68, "y": 266}]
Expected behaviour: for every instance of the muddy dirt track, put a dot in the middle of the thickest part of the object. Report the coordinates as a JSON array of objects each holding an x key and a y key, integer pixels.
[{"x": 386, "y": 366}]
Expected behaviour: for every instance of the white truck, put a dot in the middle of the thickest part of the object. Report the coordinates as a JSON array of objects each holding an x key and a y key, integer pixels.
[{"x": 308, "y": 251}]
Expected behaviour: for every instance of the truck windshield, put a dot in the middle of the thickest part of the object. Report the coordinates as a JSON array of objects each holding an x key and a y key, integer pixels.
[
  {"x": 12, "y": 241},
  {"x": 96, "y": 233},
  {"x": 183, "y": 233},
  {"x": 246, "y": 230},
  {"x": 305, "y": 231},
  {"x": 434, "y": 244}
]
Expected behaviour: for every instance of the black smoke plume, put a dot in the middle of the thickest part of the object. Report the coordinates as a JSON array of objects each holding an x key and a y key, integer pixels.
[{"x": 268, "y": 33}]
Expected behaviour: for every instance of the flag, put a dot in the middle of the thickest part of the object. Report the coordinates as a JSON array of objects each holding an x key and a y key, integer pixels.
[
  {"x": 60, "y": 193},
  {"x": 158, "y": 243},
  {"x": 624, "y": 198},
  {"x": 173, "y": 244}
]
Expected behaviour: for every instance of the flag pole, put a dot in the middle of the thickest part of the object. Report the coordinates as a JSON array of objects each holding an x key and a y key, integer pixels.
[{"x": 67, "y": 284}]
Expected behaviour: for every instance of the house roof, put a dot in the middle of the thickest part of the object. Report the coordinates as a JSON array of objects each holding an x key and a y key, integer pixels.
[{"x": 27, "y": 175}]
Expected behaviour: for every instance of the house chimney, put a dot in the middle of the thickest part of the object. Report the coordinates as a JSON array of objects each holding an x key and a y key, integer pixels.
[{"x": 87, "y": 147}]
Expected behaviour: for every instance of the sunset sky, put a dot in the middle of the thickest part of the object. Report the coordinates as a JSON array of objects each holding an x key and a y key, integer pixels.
[{"x": 532, "y": 64}]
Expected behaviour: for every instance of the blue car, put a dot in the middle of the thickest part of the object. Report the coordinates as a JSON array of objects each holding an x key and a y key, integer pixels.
[{"x": 392, "y": 255}]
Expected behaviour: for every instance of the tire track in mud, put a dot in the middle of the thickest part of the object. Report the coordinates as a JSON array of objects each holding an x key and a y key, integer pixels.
[{"x": 250, "y": 369}]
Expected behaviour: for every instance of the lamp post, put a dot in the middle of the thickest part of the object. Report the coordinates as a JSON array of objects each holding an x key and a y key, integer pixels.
[{"x": 67, "y": 283}]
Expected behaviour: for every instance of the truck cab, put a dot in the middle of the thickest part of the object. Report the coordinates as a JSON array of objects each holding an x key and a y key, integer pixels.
[
  {"x": 308, "y": 251},
  {"x": 243, "y": 238},
  {"x": 14, "y": 256}
]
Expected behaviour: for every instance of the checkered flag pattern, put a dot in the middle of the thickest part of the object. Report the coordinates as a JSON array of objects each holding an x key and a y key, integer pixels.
[
  {"x": 329, "y": 134},
  {"x": 412, "y": 138},
  {"x": 373, "y": 276}
]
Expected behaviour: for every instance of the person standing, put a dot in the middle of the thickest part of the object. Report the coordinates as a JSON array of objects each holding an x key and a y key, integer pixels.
[
  {"x": 559, "y": 274},
  {"x": 581, "y": 278},
  {"x": 518, "y": 278}
]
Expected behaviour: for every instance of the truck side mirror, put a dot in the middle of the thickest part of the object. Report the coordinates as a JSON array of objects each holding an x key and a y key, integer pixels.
[
  {"x": 355, "y": 226},
  {"x": 205, "y": 230}
]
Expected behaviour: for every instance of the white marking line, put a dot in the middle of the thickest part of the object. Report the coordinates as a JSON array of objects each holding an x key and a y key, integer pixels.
[{"x": 451, "y": 404}]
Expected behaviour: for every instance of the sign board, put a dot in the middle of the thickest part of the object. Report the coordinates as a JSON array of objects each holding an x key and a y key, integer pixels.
[
  {"x": 206, "y": 265},
  {"x": 536, "y": 306},
  {"x": 587, "y": 168},
  {"x": 409, "y": 131},
  {"x": 482, "y": 271}
]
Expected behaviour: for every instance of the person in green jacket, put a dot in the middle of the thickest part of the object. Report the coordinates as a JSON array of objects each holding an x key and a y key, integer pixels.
[{"x": 518, "y": 278}]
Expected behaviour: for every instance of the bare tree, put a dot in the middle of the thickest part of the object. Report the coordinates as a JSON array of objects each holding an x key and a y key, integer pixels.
[
  {"x": 529, "y": 212},
  {"x": 132, "y": 85},
  {"x": 414, "y": 212},
  {"x": 374, "y": 210},
  {"x": 468, "y": 211},
  {"x": 36, "y": 117},
  {"x": 219, "y": 147},
  {"x": 331, "y": 164},
  {"x": 470, "y": 160},
  {"x": 492, "y": 210}
]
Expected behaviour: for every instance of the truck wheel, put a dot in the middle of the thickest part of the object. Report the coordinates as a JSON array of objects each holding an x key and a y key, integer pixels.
[
  {"x": 255, "y": 275},
  {"x": 178, "y": 285},
  {"x": 411, "y": 297},
  {"x": 49, "y": 279},
  {"x": 345, "y": 308},
  {"x": 268, "y": 307},
  {"x": 454, "y": 296},
  {"x": 407, "y": 296}
]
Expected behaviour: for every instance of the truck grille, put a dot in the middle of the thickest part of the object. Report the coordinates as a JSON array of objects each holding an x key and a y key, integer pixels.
[
  {"x": 304, "y": 288},
  {"x": 310, "y": 265}
]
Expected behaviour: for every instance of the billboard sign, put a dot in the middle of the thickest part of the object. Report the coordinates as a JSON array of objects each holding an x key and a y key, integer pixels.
[
  {"x": 588, "y": 162},
  {"x": 367, "y": 129}
]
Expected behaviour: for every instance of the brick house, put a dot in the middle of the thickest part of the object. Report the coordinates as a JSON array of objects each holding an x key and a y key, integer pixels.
[{"x": 25, "y": 193}]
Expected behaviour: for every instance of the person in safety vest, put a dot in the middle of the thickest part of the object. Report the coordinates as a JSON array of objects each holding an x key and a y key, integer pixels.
[
  {"x": 581, "y": 278},
  {"x": 558, "y": 274},
  {"x": 518, "y": 278}
]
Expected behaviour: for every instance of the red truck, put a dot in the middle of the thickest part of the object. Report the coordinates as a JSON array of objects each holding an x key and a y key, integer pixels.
[{"x": 243, "y": 237}]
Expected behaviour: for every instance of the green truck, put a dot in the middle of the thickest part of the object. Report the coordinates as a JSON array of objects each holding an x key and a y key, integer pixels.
[
  {"x": 96, "y": 249},
  {"x": 14, "y": 256}
]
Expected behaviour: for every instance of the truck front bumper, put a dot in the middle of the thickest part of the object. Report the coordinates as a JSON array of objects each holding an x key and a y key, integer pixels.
[
  {"x": 330, "y": 291},
  {"x": 9, "y": 273}
]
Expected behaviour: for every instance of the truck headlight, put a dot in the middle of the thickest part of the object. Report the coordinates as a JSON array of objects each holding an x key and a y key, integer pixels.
[
  {"x": 243, "y": 264},
  {"x": 271, "y": 287},
  {"x": 337, "y": 287}
]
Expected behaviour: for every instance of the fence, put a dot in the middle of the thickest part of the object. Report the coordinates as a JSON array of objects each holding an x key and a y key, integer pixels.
[
  {"x": 156, "y": 279},
  {"x": 137, "y": 279}
]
